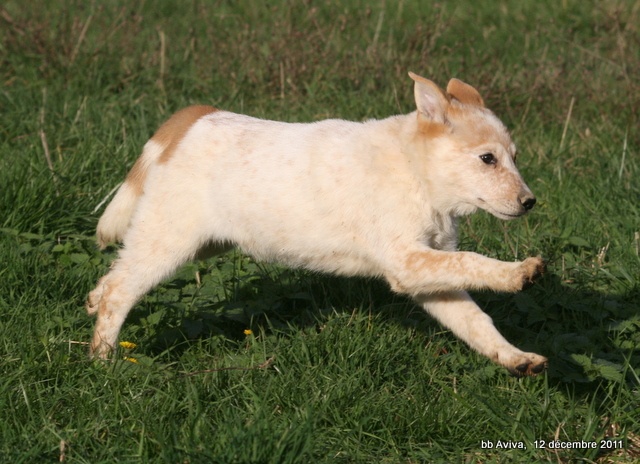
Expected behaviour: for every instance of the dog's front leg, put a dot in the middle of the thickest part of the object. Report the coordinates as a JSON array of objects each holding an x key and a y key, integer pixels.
[
  {"x": 458, "y": 312},
  {"x": 427, "y": 270}
]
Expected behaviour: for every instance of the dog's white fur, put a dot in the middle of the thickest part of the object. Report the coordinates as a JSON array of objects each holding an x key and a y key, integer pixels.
[{"x": 377, "y": 198}]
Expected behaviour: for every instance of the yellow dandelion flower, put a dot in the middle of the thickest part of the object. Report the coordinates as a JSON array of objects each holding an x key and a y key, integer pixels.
[
  {"x": 248, "y": 332},
  {"x": 131, "y": 360},
  {"x": 127, "y": 345}
]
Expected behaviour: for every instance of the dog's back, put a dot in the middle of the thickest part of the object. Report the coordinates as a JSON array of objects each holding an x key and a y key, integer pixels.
[{"x": 309, "y": 191}]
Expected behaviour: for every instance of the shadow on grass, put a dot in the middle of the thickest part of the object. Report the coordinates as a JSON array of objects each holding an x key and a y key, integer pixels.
[
  {"x": 587, "y": 336},
  {"x": 282, "y": 302}
]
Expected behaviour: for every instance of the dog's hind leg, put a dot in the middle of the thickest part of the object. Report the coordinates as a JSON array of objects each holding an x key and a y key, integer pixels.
[
  {"x": 153, "y": 250},
  {"x": 131, "y": 276},
  {"x": 458, "y": 312}
]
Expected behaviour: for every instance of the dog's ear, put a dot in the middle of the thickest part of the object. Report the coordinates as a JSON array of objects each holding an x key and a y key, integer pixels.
[
  {"x": 464, "y": 93},
  {"x": 431, "y": 101}
]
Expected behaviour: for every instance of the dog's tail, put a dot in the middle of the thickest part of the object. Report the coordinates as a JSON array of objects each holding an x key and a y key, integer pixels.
[{"x": 116, "y": 219}]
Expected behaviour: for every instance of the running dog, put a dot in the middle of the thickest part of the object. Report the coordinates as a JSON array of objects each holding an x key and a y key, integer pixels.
[{"x": 375, "y": 198}]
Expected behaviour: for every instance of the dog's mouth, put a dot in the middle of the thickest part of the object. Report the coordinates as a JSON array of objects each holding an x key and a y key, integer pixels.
[
  {"x": 507, "y": 215},
  {"x": 501, "y": 214}
]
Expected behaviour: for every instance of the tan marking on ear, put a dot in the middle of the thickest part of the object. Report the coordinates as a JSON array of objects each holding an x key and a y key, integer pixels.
[
  {"x": 430, "y": 129},
  {"x": 173, "y": 131},
  {"x": 464, "y": 93}
]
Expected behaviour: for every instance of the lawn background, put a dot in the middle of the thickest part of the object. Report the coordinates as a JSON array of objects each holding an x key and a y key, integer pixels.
[{"x": 334, "y": 370}]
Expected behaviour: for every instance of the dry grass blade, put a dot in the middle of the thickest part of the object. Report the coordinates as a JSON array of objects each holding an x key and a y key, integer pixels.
[
  {"x": 83, "y": 33},
  {"x": 263, "y": 365}
]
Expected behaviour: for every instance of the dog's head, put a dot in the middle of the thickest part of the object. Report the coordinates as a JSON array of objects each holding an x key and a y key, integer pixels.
[{"x": 465, "y": 154}]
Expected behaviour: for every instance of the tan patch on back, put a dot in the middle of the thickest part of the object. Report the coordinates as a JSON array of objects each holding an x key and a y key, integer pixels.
[
  {"x": 167, "y": 136},
  {"x": 174, "y": 130},
  {"x": 137, "y": 176}
]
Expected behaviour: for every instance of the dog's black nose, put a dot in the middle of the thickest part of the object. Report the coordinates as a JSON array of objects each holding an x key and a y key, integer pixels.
[{"x": 529, "y": 203}]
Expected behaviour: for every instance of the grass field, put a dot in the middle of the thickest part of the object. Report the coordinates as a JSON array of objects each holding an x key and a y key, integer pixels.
[{"x": 243, "y": 362}]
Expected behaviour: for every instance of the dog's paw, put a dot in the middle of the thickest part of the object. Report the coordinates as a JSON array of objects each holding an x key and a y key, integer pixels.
[
  {"x": 528, "y": 364},
  {"x": 100, "y": 351},
  {"x": 528, "y": 270}
]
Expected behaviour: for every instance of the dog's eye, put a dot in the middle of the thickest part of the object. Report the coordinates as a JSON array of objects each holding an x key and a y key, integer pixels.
[{"x": 488, "y": 158}]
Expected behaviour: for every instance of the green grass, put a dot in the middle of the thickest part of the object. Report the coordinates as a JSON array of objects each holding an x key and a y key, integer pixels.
[{"x": 335, "y": 370}]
